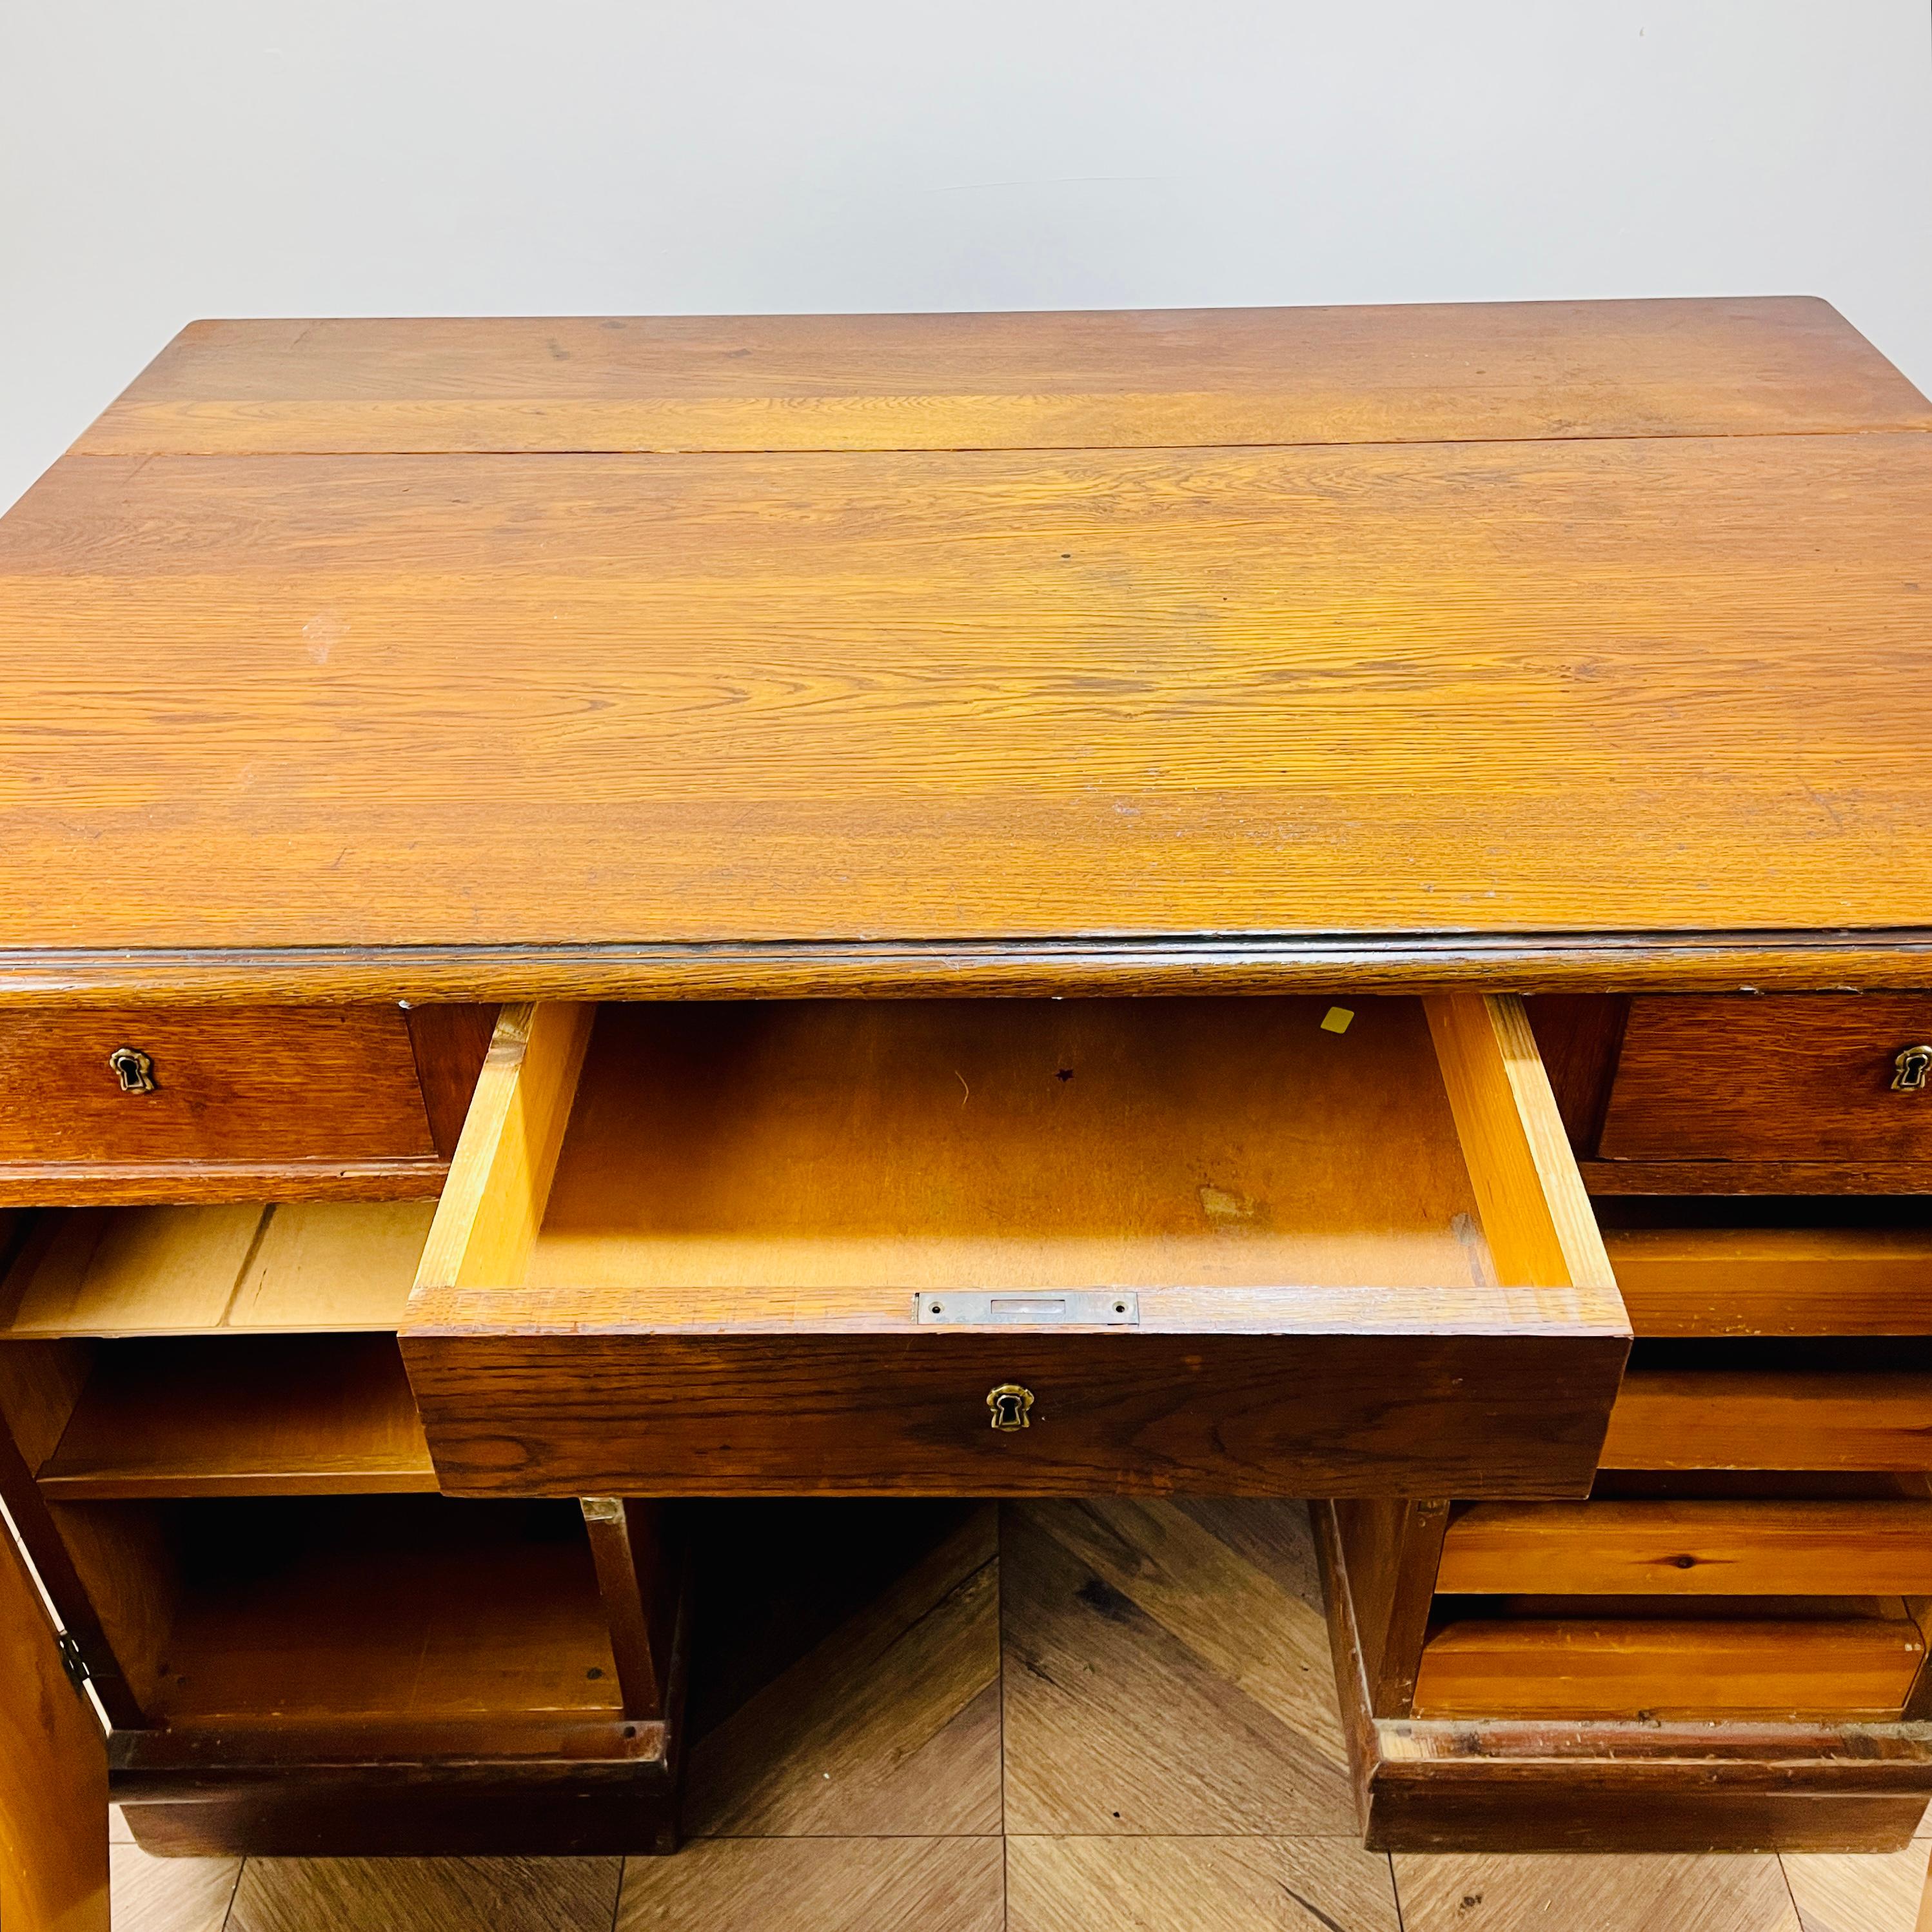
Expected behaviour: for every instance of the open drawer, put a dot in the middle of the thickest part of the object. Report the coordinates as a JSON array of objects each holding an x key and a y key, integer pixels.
[{"x": 1015, "y": 1247}]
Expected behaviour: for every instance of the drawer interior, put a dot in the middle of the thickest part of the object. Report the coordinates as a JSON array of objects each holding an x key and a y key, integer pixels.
[
  {"x": 903, "y": 1145},
  {"x": 765, "y": 1247}
]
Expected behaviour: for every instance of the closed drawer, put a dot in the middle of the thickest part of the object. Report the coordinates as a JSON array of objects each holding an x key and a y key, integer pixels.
[
  {"x": 197, "y": 1103},
  {"x": 1702, "y": 1546},
  {"x": 1768, "y": 1406},
  {"x": 1780, "y": 1077},
  {"x": 1839, "y": 1658},
  {"x": 1015, "y": 1248},
  {"x": 1710, "y": 1605}
]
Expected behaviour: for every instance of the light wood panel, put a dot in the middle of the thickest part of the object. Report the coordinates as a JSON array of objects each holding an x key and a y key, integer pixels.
[
  {"x": 1036, "y": 380},
  {"x": 1695, "y": 1548},
  {"x": 1536, "y": 1215},
  {"x": 312, "y": 1415},
  {"x": 53, "y": 1774},
  {"x": 1383, "y": 690},
  {"x": 1770, "y": 1419},
  {"x": 1774, "y": 1281},
  {"x": 499, "y": 1179},
  {"x": 302, "y": 1266},
  {"x": 105, "y": 1271},
  {"x": 1846, "y": 1667},
  {"x": 329, "y": 1266}
]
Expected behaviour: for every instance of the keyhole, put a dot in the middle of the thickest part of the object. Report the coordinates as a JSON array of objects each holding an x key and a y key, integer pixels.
[
  {"x": 1913, "y": 1065},
  {"x": 1011, "y": 1406},
  {"x": 133, "y": 1069}
]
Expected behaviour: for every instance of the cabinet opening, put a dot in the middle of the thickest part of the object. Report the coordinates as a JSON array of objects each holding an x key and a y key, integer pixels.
[
  {"x": 1742, "y": 1265},
  {"x": 372, "y": 1610}
]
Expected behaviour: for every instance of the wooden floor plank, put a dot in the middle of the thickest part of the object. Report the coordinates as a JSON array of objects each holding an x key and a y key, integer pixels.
[
  {"x": 817, "y": 1885},
  {"x": 1157, "y": 1683},
  {"x": 891, "y": 1725},
  {"x": 1867, "y": 1892},
  {"x": 425, "y": 1895},
  {"x": 1540, "y": 1892},
  {"x": 151, "y": 1894},
  {"x": 1198, "y": 1884}
]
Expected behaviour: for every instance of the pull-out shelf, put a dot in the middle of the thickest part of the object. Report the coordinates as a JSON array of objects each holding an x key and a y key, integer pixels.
[{"x": 1219, "y": 1245}]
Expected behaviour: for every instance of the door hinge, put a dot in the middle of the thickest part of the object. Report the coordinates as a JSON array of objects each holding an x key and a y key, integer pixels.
[{"x": 74, "y": 1661}]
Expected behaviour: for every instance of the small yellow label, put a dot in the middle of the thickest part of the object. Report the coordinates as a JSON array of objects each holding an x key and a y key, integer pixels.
[{"x": 1336, "y": 1020}]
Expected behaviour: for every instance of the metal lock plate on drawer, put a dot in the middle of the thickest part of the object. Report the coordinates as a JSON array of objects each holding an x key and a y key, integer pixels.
[
  {"x": 133, "y": 1069},
  {"x": 1911, "y": 1069},
  {"x": 1079, "y": 1307}
]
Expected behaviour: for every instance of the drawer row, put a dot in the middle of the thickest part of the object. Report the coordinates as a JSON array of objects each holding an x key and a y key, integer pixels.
[
  {"x": 1268, "y": 1245},
  {"x": 1787, "y": 1093},
  {"x": 1273, "y": 1246}
]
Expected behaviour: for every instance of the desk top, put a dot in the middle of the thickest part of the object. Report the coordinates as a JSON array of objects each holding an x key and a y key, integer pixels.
[{"x": 1565, "y": 644}]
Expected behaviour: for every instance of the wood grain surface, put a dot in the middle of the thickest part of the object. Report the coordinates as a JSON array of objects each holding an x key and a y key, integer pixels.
[
  {"x": 1036, "y": 380},
  {"x": 1774, "y": 1281},
  {"x": 1846, "y": 1667},
  {"x": 1696, "y": 1548},
  {"x": 1381, "y": 689},
  {"x": 53, "y": 1774},
  {"x": 300, "y": 1415},
  {"x": 285, "y": 1083},
  {"x": 301, "y": 1268},
  {"x": 521, "y": 1413},
  {"x": 1795, "y": 1078},
  {"x": 1010, "y": 1144},
  {"x": 1694, "y": 1418}
]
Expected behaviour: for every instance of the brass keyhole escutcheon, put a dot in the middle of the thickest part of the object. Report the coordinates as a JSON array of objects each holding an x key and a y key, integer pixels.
[
  {"x": 133, "y": 1069},
  {"x": 1913, "y": 1067},
  {"x": 1011, "y": 1405}
]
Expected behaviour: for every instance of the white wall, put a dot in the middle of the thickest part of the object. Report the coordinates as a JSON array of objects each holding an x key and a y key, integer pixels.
[{"x": 165, "y": 159}]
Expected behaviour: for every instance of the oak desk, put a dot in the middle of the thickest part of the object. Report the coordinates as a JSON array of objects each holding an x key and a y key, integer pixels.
[{"x": 1469, "y": 760}]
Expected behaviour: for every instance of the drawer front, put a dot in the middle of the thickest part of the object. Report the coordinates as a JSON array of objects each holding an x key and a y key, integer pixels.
[
  {"x": 1790, "y": 1077},
  {"x": 1729, "y": 1547},
  {"x": 909, "y": 1414},
  {"x": 1749, "y": 1418},
  {"x": 216, "y": 1088}
]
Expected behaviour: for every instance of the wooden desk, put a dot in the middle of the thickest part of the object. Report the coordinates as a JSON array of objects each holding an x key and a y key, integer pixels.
[{"x": 1468, "y": 760}]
